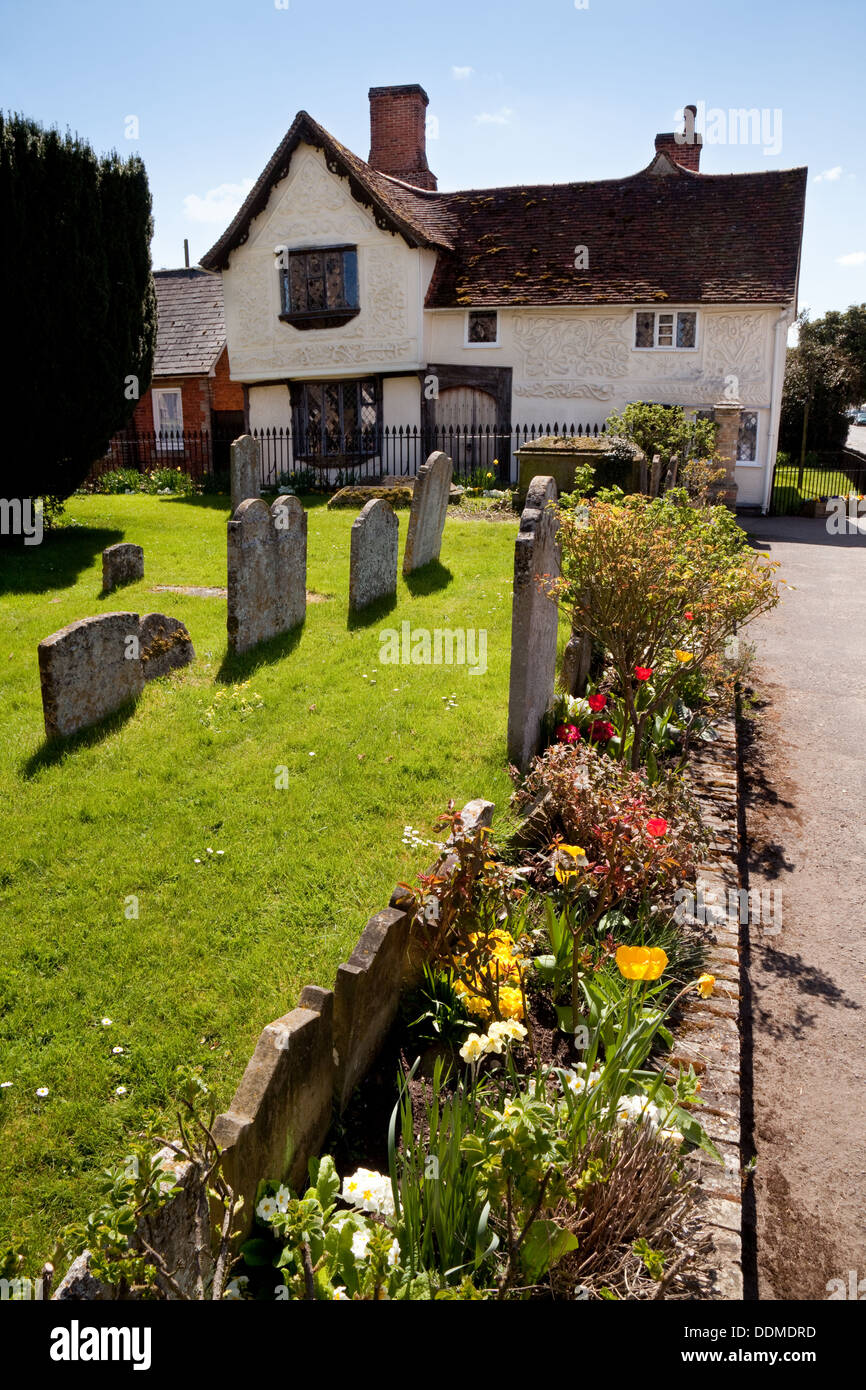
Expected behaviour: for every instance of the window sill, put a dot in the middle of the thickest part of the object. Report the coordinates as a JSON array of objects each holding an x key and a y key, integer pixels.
[{"x": 320, "y": 318}]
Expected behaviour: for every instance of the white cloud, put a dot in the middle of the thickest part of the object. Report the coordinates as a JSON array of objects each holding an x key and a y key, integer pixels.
[
  {"x": 500, "y": 117},
  {"x": 460, "y": 74},
  {"x": 218, "y": 204},
  {"x": 829, "y": 175},
  {"x": 852, "y": 258}
]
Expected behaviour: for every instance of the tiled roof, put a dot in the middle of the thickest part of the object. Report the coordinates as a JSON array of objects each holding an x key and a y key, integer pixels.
[
  {"x": 191, "y": 329},
  {"x": 665, "y": 233}
]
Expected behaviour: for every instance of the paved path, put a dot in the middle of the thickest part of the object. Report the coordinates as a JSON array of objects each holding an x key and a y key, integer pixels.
[
  {"x": 857, "y": 438},
  {"x": 805, "y": 771}
]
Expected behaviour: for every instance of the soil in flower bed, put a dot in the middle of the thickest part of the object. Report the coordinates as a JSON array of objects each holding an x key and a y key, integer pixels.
[{"x": 359, "y": 1138}]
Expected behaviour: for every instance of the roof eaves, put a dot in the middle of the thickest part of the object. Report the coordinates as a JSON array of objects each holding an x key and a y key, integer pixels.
[{"x": 340, "y": 161}]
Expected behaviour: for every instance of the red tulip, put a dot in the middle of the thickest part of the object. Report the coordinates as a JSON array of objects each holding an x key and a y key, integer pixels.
[
  {"x": 597, "y": 703},
  {"x": 656, "y": 827},
  {"x": 688, "y": 617},
  {"x": 643, "y": 673}
]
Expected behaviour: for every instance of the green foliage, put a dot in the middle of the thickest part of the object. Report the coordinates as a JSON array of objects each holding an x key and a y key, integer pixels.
[
  {"x": 821, "y": 379},
  {"x": 659, "y": 584},
  {"x": 664, "y": 430},
  {"x": 78, "y": 298},
  {"x": 438, "y": 1200},
  {"x": 158, "y": 480},
  {"x": 443, "y": 1020}
]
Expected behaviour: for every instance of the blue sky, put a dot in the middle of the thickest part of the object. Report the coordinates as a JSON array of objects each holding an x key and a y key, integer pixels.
[{"x": 522, "y": 91}]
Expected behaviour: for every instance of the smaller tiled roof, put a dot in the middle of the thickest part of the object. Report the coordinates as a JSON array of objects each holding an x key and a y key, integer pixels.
[{"x": 191, "y": 327}]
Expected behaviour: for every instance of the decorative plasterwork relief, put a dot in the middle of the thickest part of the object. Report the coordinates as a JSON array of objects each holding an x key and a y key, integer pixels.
[
  {"x": 385, "y": 305},
  {"x": 314, "y": 206},
  {"x": 562, "y": 355},
  {"x": 736, "y": 345}
]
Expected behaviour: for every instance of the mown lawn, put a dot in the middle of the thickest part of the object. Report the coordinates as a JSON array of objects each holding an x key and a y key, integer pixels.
[
  {"x": 789, "y": 495},
  {"x": 222, "y": 947}
]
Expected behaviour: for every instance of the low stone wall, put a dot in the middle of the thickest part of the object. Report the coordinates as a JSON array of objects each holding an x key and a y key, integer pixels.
[
  {"x": 709, "y": 1036},
  {"x": 303, "y": 1065}
]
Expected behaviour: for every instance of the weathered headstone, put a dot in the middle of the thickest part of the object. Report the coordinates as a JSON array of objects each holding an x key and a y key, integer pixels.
[
  {"x": 245, "y": 469},
  {"x": 429, "y": 510},
  {"x": 164, "y": 645},
  {"x": 88, "y": 670},
  {"x": 534, "y": 621},
  {"x": 375, "y": 546},
  {"x": 121, "y": 564},
  {"x": 267, "y": 571}
]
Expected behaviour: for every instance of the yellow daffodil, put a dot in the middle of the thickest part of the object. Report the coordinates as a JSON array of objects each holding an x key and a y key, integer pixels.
[
  {"x": 705, "y": 985},
  {"x": 640, "y": 962}
]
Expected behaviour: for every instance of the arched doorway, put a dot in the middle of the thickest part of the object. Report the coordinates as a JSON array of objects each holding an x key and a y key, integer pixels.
[{"x": 466, "y": 428}]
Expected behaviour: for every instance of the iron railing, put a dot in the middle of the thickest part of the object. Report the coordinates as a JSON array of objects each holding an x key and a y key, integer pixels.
[
  {"x": 836, "y": 473},
  {"x": 482, "y": 455}
]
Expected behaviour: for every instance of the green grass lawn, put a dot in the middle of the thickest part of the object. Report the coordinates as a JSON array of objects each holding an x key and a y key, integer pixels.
[
  {"x": 788, "y": 496},
  {"x": 222, "y": 947}
]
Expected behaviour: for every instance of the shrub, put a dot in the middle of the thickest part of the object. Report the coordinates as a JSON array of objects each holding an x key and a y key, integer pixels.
[
  {"x": 119, "y": 480},
  {"x": 660, "y": 585},
  {"x": 579, "y": 793},
  {"x": 664, "y": 430}
]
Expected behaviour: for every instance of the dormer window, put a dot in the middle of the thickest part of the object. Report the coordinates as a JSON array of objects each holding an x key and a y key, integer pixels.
[
  {"x": 668, "y": 330},
  {"x": 319, "y": 287}
]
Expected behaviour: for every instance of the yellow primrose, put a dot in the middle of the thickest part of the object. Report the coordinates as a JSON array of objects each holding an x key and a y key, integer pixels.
[
  {"x": 705, "y": 985},
  {"x": 640, "y": 962}
]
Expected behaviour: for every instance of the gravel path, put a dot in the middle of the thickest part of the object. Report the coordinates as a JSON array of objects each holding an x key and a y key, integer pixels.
[{"x": 804, "y": 756}]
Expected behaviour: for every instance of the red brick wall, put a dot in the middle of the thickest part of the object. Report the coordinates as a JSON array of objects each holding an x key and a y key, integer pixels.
[
  {"x": 398, "y": 138},
  {"x": 225, "y": 394}
]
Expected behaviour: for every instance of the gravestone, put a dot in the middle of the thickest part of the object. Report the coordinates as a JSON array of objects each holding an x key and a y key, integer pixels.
[
  {"x": 245, "y": 469},
  {"x": 267, "y": 571},
  {"x": 164, "y": 645},
  {"x": 374, "y": 552},
  {"x": 121, "y": 564},
  {"x": 429, "y": 510},
  {"x": 88, "y": 670},
  {"x": 534, "y": 621}
]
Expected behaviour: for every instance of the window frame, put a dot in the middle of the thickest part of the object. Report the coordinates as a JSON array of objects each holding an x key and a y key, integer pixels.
[
  {"x": 467, "y": 342},
  {"x": 301, "y": 416},
  {"x": 756, "y": 461},
  {"x": 665, "y": 347},
  {"x": 164, "y": 444},
  {"x": 328, "y": 317}
]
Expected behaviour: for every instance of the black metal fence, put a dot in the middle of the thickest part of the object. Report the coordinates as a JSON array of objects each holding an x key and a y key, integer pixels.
[
  {"x": 482, "y": 456},
  {"x": 834, "y": 474}
]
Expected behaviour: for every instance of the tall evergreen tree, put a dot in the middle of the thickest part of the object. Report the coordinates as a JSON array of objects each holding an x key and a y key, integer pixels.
[{"x": 79, "y": 305}]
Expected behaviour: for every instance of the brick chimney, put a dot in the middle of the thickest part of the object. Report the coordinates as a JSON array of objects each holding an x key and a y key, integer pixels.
[
  {"x": 398, "y": 137},
  {"x": 685, "y": 148}
]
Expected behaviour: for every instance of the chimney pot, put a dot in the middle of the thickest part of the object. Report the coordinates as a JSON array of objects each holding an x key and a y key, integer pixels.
[
  {"x": 398, "y": 135},
  {"x": 684, "y": 148}
]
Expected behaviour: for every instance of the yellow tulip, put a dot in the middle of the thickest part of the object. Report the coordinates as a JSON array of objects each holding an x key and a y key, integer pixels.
[
  {"x": 640, "y": 962},
  {"x": 684, "y": 656}
]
